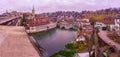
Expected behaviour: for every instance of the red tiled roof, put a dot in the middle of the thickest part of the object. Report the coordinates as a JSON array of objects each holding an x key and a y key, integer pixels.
[
  {"x": 117, "y": 16},
  {"x": 39, "y": 16},
  {"x": 38, "y": 20},
  {"x": 108, "y": 20},
  {"x": 31, "y": 22},
  {"x": 88, "y": 31}
]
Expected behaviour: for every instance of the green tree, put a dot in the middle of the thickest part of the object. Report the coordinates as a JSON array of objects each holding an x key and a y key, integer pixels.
[
  {"x": 55, "y": 55},
  {"x": 66, "y": 53},
  {"x": 70, "y": 46}
]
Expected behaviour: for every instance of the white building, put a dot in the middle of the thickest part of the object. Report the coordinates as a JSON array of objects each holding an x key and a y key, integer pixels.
[
  {"x": 108, "y": 22},
  {"x": 80, "y": 38},
  {"x": 117, "y": 24},
  {"x": 117, "y": 20},
  {"x": 100, "y": 24},
  {"x": 86, "y": 54}
]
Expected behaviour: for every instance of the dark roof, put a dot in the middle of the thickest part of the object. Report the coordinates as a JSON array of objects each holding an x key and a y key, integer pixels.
[{"x": 28, "y": 14}]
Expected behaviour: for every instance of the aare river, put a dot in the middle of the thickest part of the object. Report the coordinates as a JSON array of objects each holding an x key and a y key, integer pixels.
[{"x": 54, "y": 40}]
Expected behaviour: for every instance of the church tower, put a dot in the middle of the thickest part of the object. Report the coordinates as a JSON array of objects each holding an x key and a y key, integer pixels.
[
  {"x": 33, "y": 10},
  {"x": 33, "y": 13},
  {"x": 33, "y": 19}
]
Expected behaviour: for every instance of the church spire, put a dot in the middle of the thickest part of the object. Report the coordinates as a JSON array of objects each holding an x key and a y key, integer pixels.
[{"x": 33, "y": 10}]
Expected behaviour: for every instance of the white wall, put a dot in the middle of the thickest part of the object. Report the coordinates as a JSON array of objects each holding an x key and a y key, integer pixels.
[{"x": 117, "y": 21}]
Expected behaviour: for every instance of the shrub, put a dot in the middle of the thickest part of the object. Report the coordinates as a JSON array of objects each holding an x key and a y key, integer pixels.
[
  {"x": 67, "y": 53},
  {"x": 70, "y": 46},
  {"x": 55, "y": 55}
]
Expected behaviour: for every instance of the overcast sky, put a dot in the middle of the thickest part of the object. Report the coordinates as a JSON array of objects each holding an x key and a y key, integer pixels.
[{"x": 56, "y": 5}]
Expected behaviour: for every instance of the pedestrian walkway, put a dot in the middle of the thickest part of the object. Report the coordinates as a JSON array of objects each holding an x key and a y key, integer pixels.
[
  {"x": 109, "y": 54},
  {"x": 103, "y": 35},
  {"x": 14, "y": 42}
]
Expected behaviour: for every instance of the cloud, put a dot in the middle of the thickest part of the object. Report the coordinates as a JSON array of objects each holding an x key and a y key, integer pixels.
[{"x": 56, "y": 5}]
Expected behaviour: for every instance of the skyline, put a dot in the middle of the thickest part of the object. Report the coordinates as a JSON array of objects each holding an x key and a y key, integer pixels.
[{"x": 56, "y": 5}]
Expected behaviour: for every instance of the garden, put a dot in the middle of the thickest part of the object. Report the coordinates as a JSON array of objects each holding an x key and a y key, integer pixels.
[{"x": 70, "y": 49}]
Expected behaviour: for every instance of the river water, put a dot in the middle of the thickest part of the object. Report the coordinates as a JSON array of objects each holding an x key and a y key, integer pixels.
[{"x": 54, "y": 40}]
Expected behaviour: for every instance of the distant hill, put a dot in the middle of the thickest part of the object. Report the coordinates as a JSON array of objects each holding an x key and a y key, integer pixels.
[{"x": 98, "y": 14}]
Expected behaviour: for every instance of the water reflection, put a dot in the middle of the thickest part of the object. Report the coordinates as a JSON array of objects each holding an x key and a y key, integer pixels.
[{"x": 54, "y": 40}]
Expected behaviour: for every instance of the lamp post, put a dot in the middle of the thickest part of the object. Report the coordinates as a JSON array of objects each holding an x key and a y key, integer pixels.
[{"x": 118, "y": 22}]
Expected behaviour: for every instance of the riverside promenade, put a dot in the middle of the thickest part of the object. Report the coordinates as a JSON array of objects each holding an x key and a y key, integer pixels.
[
  {"x": 103, "y": 35},
  {"x": 14, "y": 42}
]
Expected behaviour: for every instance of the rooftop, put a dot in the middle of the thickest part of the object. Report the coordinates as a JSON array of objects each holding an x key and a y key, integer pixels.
[{"x": 108, "y": 20}]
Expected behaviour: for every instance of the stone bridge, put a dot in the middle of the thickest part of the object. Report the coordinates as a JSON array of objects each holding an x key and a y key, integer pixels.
[{"x": 13, "y": 21}]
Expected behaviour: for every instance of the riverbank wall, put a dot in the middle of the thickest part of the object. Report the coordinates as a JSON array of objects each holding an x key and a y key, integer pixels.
[
  {"x": 41, "y": 28},
  {"x": 39, "y": 49}
]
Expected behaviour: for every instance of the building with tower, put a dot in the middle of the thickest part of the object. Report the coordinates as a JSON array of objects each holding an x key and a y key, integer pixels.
[{"x": 37, "y": 22}]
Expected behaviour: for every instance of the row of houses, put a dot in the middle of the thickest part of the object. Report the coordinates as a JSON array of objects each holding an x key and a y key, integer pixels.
[
  {"x": 35, "y": 20},
  {"x": 86, "y": 28},
  {"x": 112, "y": 23}
]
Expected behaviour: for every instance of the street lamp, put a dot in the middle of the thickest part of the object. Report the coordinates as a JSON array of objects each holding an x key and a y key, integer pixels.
[
  {"x": 88, "y": 37},
  {"x": 118, "y": 22}
]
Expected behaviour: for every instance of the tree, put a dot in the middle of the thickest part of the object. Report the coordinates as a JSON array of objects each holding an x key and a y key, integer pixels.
[
  {"x": 64, "y": 53},
  {"x": 68, "y": 52},
  {"x": 55, "y": 55},
  {"x": 70, "y": 46},
  {"x": 92, "y": 21},
  {"x": 96, "y": 42}
]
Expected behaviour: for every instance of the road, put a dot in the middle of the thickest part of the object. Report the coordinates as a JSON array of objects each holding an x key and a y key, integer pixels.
[
  {"x": 103, "y": 35},
  {"x": 16, "y": 43}
]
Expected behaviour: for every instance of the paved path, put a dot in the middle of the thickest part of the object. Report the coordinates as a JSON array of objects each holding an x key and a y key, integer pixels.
[
  {"x": 103, "y": 35},
  {"x": 109, "y": 54},
  {"x": 14, "y": 42}
]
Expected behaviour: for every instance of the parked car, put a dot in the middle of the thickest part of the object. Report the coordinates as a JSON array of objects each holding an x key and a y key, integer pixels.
[{"x": 104, "y": 28}]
